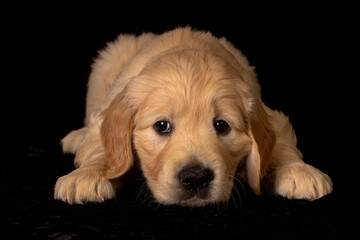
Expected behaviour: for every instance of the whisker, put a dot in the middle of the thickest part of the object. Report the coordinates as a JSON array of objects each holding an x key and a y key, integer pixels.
[
  {"x": 158, "y": 205},
  {"x": 143, "y": 194},
  {"x": 233, "y": 198},
  {"x": 135, "y": 180},
  {"x": 241, "y": 184},
  {"x": 236, "y": 195}
]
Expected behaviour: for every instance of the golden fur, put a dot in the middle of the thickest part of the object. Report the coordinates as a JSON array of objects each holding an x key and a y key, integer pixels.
[{"x": 188, "y": 79}]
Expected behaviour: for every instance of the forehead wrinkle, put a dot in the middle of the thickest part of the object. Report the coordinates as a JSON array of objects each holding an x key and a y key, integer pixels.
[
  {"x": 192, "y": 81},
  {"x": 175, "y": 85},
  {"x": 157, "y": 102}
]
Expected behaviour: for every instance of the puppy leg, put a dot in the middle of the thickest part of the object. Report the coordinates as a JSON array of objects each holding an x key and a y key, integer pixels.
[
  {"x": 71, "y": 142},
  {"x": 84, "y": 184},
  {"x": 301, "y": 181},
  {"x": 289, "y": 176}
]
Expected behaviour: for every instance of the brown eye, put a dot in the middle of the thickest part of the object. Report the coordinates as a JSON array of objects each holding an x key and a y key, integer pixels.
[
  {"x": 221, "y": 127},
  {"x": 163, "y": 127}
]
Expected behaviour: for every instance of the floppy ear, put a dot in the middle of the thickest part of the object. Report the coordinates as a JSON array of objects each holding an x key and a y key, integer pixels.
[
  {"x": 263, "y": 140},
  {"x": 116, "y": 134}
]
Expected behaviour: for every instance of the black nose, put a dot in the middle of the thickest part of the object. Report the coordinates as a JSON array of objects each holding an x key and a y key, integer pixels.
[{"x": 195, "y": 178}]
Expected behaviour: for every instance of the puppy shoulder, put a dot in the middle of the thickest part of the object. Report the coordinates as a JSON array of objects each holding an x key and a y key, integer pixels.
[
  {"x": 122, "y": 48},
  {"x": 239, "y": 56},
  {"x": 113, "y": 67}
]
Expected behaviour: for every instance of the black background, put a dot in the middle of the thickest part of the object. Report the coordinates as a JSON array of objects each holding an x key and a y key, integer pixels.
[{"x": 305, "y": 60}]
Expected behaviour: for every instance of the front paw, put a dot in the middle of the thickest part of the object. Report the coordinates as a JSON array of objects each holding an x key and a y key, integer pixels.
[
  {"x": 83, "y": 185},
  {"x": 301, "y": 181}
]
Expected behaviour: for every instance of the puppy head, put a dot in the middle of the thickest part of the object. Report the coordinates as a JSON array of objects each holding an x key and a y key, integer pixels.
[{"x": 192, "y": 119}]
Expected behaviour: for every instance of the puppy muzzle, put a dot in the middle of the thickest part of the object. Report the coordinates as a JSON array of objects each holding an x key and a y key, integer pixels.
[{"x": 195, "y": 181}]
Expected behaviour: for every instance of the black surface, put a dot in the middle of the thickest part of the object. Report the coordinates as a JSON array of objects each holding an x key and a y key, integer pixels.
[{"x": 304, "y": 63}]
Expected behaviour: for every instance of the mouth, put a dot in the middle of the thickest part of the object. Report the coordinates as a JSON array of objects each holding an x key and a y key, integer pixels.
[
  {"x": 195, "y": 202},
  {"x": 191, "y": 187},
  {"x": 185, "y": 198},
  {"x": 194, "y": 198}
]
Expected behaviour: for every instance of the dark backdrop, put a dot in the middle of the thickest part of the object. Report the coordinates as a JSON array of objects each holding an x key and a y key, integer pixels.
[{"x": 303, "y": 57}]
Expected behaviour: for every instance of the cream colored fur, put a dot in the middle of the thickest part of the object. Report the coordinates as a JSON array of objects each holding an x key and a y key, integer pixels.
[{"x": 138, "y": 80}]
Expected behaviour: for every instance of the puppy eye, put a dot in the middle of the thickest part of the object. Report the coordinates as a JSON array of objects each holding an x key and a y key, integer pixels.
[
  {"x": 221, "y": 127},
  {"x": 162, "y": 127}
]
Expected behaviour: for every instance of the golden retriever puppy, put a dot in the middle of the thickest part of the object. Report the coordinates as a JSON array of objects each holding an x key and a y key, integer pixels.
[{"x": 185, "y": 108}]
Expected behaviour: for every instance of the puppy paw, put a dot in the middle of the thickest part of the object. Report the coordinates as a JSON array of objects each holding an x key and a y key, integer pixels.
[
  {"x": 83, "y": 185},
  {"x": 302, "y": 181},
  {"x": 71, "y": 142}
]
